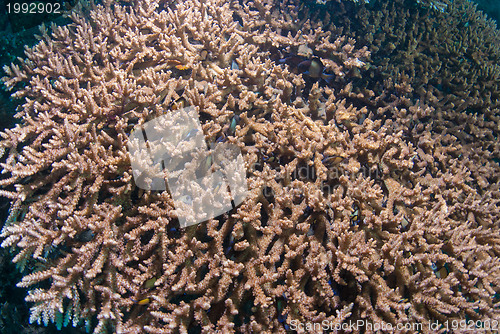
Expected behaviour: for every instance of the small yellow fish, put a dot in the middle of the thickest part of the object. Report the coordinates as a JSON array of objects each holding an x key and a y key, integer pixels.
[
  {"x": 217, "y": 187},
  {"x": 144, "y": 301},
  {"x": 182, "y": 67}
]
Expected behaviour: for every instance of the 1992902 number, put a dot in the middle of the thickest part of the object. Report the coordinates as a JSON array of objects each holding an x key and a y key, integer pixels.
[
  {"x": 33, "y": 8},
  {"x": 472, "y": 325}
]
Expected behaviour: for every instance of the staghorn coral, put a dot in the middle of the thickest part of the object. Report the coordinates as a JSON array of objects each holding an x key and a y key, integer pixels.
[
  {"x": 357, "y": 208},
  {"x": 446, "y": 59}
]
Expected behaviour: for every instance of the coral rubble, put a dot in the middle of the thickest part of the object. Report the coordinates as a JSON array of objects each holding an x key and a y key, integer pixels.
[{"x": 366, "y": 201}]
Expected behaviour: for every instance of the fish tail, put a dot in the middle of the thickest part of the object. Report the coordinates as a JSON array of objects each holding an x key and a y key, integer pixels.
[{"x": 329, "y": 78}]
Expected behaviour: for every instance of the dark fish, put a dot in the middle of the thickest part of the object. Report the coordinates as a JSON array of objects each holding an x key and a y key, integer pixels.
[
  {"x": 328, "y": 78},
  {"x": 230, "y": 243},
  {"x": 280, "y": 306},
  {"x": 311, "y": 67},
  {"x": 334, "y": 287},
  {"x": 314, "y": 68},
  {"x": 204, "y": 54},
  {"x": 443, "y": 272},
  {"x": 307, "y": 211},
  {"x": 85, "y": 236}
]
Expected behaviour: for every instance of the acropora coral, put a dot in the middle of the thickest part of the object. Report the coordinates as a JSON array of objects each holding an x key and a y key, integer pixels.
[{"x": 369, "y": 198}]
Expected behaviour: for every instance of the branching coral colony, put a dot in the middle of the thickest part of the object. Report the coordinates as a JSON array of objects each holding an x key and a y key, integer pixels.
[{"x": 361, "y": 204}]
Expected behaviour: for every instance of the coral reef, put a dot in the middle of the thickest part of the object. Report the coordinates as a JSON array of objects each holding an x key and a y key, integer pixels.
[
  {"x": 365, "y": 200},
  {"x": 453, "y": 67}
]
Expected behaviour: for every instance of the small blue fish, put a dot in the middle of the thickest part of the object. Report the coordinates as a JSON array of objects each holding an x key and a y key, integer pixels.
[
  {"x": 204, "y": 167},
  {"x": 190, "y": 134},
  {"x": 334, "y": 288},
  {"x": 230, "y": 243},
  {"x": 143, "y": 301},
  {"x": 282, "y": 318},
  {"x": 329, "y": 78},
  {"x": 234, "y": 65},
  {"x": 265, "y": 158},
  {"x": 186, "y": 199},
  {"x": 307, "y": 212},
  {"x": 292, "y": 60},
  {"x": 222, "y": 138},
  {"x": 232, "y": 125},
  {"x": 218, "y": 186}
]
